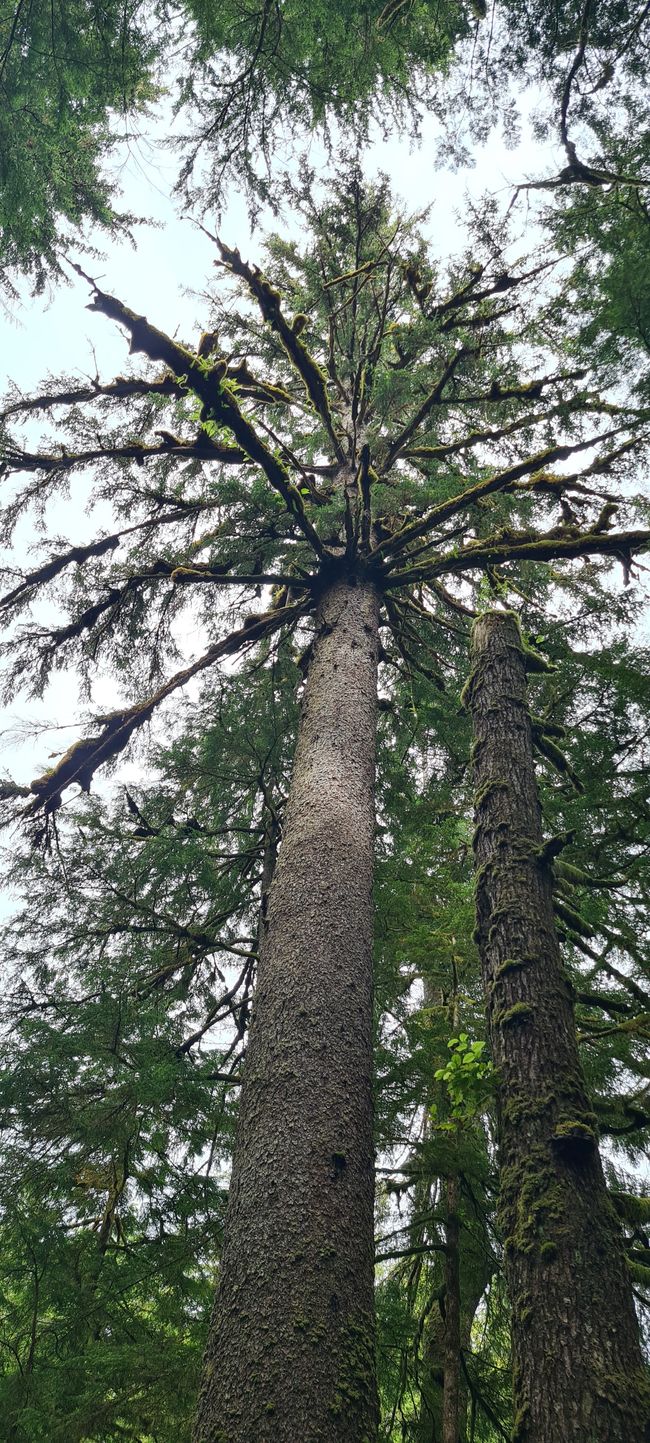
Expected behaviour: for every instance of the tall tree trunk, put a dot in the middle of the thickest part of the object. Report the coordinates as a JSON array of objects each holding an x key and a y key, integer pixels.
[
  {"x": 452, "y": 1338},
  {"x": 438, "y": 1364},
  {"x": 290, "y": 1358},
  {"x": 466, "y": 1272},
  {"x": 577, "y": 1361}
]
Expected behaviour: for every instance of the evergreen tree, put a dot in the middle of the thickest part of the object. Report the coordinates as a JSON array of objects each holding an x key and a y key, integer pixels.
[
  {"x": 74, "y": 80},
  {"x": 572, "y": 1307},
  {"x": 117, "y": 1119},
  {"x": 344, "y": 458}
]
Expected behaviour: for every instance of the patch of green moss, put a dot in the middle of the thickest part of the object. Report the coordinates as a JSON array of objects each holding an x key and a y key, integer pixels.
[
  {"x": 490, "y": 867},
  {"x": 515, "y": 1016},
  {"x": 522, "y": 1301},
  {"x": 314, "y": 1332},
  {"x": 513, "y": 911},
  {"x": 629, "y": 1392},
  {"x": 574, "y": 1138},
  {"x": 520, "y": 1424},
  {"x": 466, "y": 693},
  {"x": 510, "y": 964},
  {"x": 548, "y": 1251},
  {"x": 516, "y": 1109},
  {"x": 532, "y": 1203},
  {"x": 355, "y": 1389},
  {"x": 534, "y": 661}
]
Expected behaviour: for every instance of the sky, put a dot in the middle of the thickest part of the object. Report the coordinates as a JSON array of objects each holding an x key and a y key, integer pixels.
[{"x": 162, "y": 274}]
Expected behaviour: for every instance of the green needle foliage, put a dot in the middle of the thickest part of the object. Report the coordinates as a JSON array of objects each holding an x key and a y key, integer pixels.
[
  {"x": 426, "y": 423},
  {"x": 119, "y": 1125},
  {"x": 76, "y": 80},
  {"x": 65, "y": 69}
]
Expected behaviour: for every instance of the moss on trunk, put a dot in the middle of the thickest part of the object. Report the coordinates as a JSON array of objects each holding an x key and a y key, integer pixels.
[{"x": 573, "y": 1320}]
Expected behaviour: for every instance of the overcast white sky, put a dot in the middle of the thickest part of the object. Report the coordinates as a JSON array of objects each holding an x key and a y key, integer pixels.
[{"x": 56, "y": 334}]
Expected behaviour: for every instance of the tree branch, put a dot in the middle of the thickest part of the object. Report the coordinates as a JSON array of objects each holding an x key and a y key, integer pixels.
[
  {"x": 82, "y": 760},
  {"x": 207, "y": 383},
  {"x": 268, "y": 300}
]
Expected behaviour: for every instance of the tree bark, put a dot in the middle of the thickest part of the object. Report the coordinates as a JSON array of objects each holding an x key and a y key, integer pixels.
[
  {"x": 577, "y": 1361},
  {"x": 290, "y": 1357},
  {"x": 452, "y": 1334}
]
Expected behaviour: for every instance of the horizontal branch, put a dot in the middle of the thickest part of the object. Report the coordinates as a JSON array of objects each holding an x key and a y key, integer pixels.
[
  {"x": 468, "y": 295},
  {"x": 580, "y": 403},
  {"x": 202, "y": 449},
  {"x": 417, "y": 1251},
  {"x": 121, "y": 388},
  {"x": 500, "y": 481},
  {"x": 78, "y": 554},
  {"x": 198, "y": 573},
  {"x": 519, "y": 547}
]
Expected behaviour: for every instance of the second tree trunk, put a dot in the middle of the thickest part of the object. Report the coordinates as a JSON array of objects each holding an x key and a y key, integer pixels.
[{"x": 577, "y": 1361}]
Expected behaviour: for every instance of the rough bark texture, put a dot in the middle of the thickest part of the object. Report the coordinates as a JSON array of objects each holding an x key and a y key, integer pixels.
[
  {"x": 577, "y": 1361},
  {"x": 290, "y": 1357}
]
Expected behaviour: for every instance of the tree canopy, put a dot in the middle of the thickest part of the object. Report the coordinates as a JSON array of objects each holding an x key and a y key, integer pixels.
[
  {"x": 432, "y": 425},
  {"x": 462, "y": 444},
  {"x": 74, "y": 84}
]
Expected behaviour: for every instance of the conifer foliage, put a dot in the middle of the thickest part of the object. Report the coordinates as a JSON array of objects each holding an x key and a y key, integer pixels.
[{"x": 359, "y": 453}]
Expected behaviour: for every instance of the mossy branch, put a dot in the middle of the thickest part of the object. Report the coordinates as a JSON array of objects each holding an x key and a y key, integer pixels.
[
  {"x": 517, "y": 546},
  {"x": 488, "y": 435},
  {"x": 545, "y": 745},
  {"x": 121, "y": 389},
  {"x": 84, "y": 758},
  {"x": 13, "y": 459},
  {"x": 631, "y": 1207},
  {"x": 207, "y": 384},
  {"x": 572, "y": 919},
  {"x": 77, "y": 555},
  {"x": 500, "y": 481},
  {"x": 552, "y": 848},
  {"x": 268, "y": 300}
]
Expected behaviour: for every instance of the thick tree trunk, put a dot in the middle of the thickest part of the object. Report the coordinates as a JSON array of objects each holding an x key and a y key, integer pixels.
[
  {"x": 290, "y": 1357},
  {"x": 577, "y": 1361}
]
